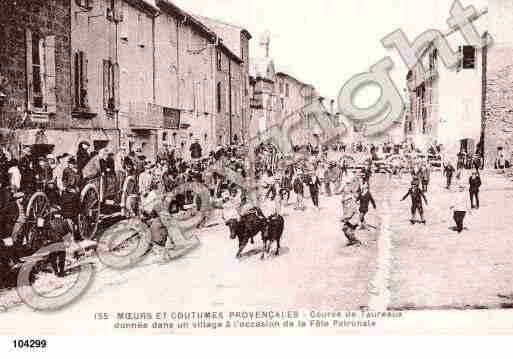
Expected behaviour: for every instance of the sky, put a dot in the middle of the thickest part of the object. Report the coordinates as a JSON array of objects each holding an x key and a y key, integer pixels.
[{"x": 326, "y": 42}]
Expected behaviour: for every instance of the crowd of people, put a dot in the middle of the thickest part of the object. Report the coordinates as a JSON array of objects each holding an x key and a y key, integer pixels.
[{"x": 310, "y": 172}]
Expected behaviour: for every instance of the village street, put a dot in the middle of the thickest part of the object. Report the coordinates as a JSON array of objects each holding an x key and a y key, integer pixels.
[
  {"x": 408, "y": 267},
  {"x": 314, "y": 270}
]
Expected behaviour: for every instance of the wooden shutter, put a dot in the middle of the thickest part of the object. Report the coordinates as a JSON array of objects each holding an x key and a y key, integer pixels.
[
  {"x": 106, "y": 77},
  {"x": 460, "y": 59},
  {"x": 49, "y": 92},
  {"x": 84, "y": 80},
  {"x": 76, "y": 79},
  {"x": 28, "y": 68},
  {"x": 116, "y": 85}
]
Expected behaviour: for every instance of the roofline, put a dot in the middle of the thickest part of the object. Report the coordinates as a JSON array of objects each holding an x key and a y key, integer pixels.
[
  {"x": 144, "y": 6},
  {"x": 448, "y": 33},
  {"x": 171, "y": 9},
  {"x": 242, "y": 30},
  {"x": 229, "y": 52},
  {"x": 295, "y": 79},
  {"x": 204, "y": 30}
]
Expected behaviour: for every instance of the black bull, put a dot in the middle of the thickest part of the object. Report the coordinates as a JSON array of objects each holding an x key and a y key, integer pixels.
[{"x": 271, "y": 230}]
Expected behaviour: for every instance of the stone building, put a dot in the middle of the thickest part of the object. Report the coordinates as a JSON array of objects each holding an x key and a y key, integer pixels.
[
  {"x": 470, "y": 107},
  {"x": 185, "y": 78},
  {"x": 276, "y": 96},
  {"x": 232, "y": 123},
  {"x": 145, "y": 75},
  {"x": 294, "y": 95},
  {"x": 445, "y": 104},
  {"x": 35, "y": 71},
  {"x": 113, "y": 73}
]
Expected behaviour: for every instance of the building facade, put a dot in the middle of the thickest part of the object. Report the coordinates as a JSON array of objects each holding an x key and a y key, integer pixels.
[
  {"x": 145, "y": 75},
  {"x": 278, "y": 96},
  {"x": 232, "y": 83},
  {"x": 467, "y": 108},
  {"x": 35, "y": 63}
]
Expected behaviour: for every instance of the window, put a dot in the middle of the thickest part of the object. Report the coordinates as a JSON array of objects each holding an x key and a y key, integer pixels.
[
  {"x": 281, "y": 87},
  {"x": 469, "y": 57},
  {"x": 219, "y": 97},
  {"x": 80, "y": 83},
  {"x": 114, "y": 11},
  {"x": 282, "y": 103},
  {"x": 86, "y": 4},
  {"x": 164, "y": 136},
  {"x": 110, "y": 85},
  {"x": 219, "y": 60},
  {"x": 140, "y": 31},
  {"x": 40, "y": 71},
  {"x": 287, "y": 90}
]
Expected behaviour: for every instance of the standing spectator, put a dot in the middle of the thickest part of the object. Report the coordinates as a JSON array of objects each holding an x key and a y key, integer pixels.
[
  {"x": 475, "y": 184},
  {"x": 58, "y": 172},
  {"x": 449, "y": 173},
  {"x": 70, "y": 198},
  {"x": 476, "y": 162},
  {"x": 416, "y": 202},
  {"x": 268, "y": 182},
  {"x": 83, "y": 155},
  {"x": 459, "y": 208},
  {"x": 425, "y": 175},
  {"x": 14, "y": 175},
  {"x": 28, "y": 172},
  {"x": 297, "y": 185},
  {"x": 286, "y": 186},
  {"x": 365, "y": 197},
  {"x": 196, "y": 150},
  {"x": 314, "y": 184}
]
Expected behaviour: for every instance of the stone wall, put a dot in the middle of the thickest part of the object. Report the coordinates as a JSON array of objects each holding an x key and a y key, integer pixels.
[
  {"x": 46, "y": 18},
  {"x": 499, "y": 102}
]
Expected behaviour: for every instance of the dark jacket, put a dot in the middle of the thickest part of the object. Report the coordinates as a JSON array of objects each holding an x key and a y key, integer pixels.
[
  {"x": 195, "y": 151},
  {"x": 365, "y": 199},
  {"x": 70, "y": 204},
  {"x": 70, "y": 178},
  {"x": 313, "y": 185},
  {"x": 449, "y": 170},
  {"x": 475, "y": 183},
  {"x": 83, "y": 157},
  {"x": 416, "y": 196},
  {"x": 298, "y": 186}
]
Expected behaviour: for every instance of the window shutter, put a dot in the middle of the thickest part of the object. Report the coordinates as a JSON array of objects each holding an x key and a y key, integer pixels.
[
  {"x": 83, "y": 79},
  {"x": 106, "y": 77},
  {"x": 460, "y": 58},
  {"x": 50, "y": 80},
  {"x": 30, "y": 90},
  {"x": 77, "y": 79},
  {"x": 115, "y": 84}
]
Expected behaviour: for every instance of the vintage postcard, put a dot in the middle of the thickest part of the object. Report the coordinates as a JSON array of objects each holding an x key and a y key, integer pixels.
[{"x": 255, "y": 167}]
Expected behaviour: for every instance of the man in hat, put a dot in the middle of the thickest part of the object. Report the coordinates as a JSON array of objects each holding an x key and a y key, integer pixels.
[
  {"x": 475, "y": 184},
  {"x": 416, "y": 202},
  {"x": 27, "y": 169},
  {"x": 365, "y": 197},
  {"x": 449, "y": 173},
  {"x": 196, "y": 150},
  {"x": 70, "y": 198}
]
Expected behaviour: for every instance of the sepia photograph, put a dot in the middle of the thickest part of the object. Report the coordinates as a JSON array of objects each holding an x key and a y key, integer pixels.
[{"x": 261, "y": 167}]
